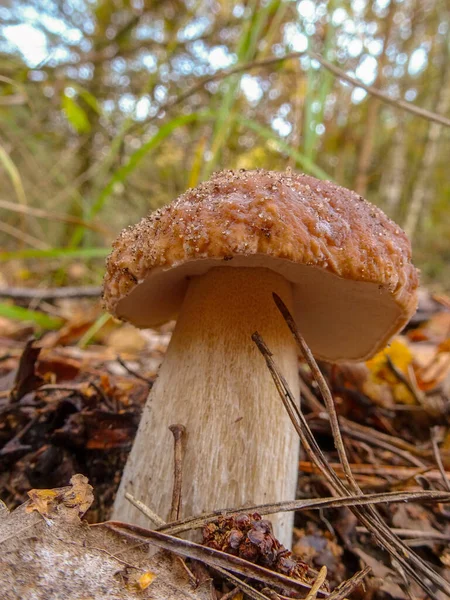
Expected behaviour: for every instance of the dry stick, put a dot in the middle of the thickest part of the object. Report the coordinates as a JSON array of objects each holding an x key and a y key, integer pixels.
[
  {"x": 178, "y": 432},
  {"x": 374, "y": 440},
  {"x": 133, "y": 372},
  {"x": 209, "y": 556},
  {"x": 414, "y": 533},
  {"x": 357, "y": 431},
  {"x": 50, "y": 293},
  {"x": 325, "y": 392},
  {"x": 339, "y": 73},
  {"x": 314, "y": 403},
  {"x": 242, "y": 586},
  {"x": 305, "y": 504},
  {"x": 320, "y": 579},
  {"x": 19, "y": 234},
  {"x": 43, "y": 214},
  {"x": 232, "y": 594},
  {"x": 372, "y": 475},
  {"x": 370, "y": 518},
  {"x": 416, "y": 110},
  {"x": 370, "y": 512},
  {"x": 397, "y": 442},
  {"x": 147, "y": 511},
  {"x": 438, "y": 458},
  {"x": 347, "y": 587}
]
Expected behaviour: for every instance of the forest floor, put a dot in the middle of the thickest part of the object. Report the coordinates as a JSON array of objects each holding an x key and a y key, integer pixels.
[{"x": 71, "y": 399}]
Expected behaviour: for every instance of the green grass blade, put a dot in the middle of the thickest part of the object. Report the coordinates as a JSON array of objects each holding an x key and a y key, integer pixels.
[
  {"x": 309, "y": 132},
  {"x": 325, "y": 81},
  {"x": 18, "y": 313},
  {"x": 246, "y": 51},
  {"x": 59, "y": 253},
  {"x": 94, "y": 329},
  {"x": 14, "y": 175}
]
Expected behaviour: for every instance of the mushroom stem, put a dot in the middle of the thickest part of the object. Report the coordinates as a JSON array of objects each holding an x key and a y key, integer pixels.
[{"x": 240, "y": 446}]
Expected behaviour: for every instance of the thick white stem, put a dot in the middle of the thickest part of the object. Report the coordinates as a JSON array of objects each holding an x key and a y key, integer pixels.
[{"x": 240, "y": 446}]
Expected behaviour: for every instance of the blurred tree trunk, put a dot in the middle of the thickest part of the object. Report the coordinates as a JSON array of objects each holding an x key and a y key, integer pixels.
[
  {"x": 393, "y": 181},
  {"x": 422, "y": 192},
  {"x": 368, "y": 141}
]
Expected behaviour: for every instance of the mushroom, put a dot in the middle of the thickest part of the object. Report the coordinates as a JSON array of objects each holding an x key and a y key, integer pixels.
[{"x": 212, "y": 259}]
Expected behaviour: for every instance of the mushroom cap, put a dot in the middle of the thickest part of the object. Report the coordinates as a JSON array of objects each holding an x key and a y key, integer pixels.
[{"x": 350, "y": 265}]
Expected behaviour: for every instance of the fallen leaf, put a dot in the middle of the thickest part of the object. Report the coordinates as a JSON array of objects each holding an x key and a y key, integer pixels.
[
  {"x": 41, "y": 501},
  {"x": 77, "y": 496},
  {"x": 26, "y": 379},
  {"x": 67, "y": 559},
  {"x": 145, "y": 580},
  {"x": 381, "y": 373}
]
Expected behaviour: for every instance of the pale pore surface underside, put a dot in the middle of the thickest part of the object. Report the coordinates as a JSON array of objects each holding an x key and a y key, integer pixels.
[
  {"x": 241, "y": 447},
  {"x": 330, "y": 311}
]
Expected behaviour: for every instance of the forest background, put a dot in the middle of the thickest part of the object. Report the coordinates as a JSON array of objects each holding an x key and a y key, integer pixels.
[{"x": 109, "y": 109}]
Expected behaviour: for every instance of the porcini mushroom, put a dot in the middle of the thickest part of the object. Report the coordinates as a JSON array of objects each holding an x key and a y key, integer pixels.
[{"x": 212, "y": 259}]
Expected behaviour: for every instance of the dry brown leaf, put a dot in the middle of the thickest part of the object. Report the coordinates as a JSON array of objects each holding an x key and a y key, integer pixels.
[
  {"x": 40, "y": 560},
  {"x": 77, "y": 496},
  {"x": 41, "y": 501}
]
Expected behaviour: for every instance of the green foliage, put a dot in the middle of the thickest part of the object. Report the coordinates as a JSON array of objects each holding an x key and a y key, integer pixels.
[
  {"x": 58, "y": 253},
  {"x": 76, "y": 116},
  {"x": 17, "y": 313},
  {"x": 108, "y": 116}
]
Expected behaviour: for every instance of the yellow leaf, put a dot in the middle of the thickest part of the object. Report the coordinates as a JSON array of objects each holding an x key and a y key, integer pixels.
[
  {"x": 41, "y": 500},
  {"x": 381, "y": 373},
  {"x": 145, "y": 580}
]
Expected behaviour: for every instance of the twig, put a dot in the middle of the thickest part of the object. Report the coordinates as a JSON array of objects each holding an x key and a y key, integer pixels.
[
  {"x": 18, "y": 406},
  {"x": 438, "y": 458},
  {"x": 43, "y": 214},
  {"x": 178, "y": 432},
  {"x": 19, "y": 234},
  {"x": 210, "y": 556},
  {"x": 414, "y": 534},
  {"x": 412, "y": 108},
  {"x": 305, "y": 504},
  {"x": 133, "y": 372},
  {"x": 107, "y": 401},
  {"x": 339, "y": 73},
  {"x": 240, "y": 585},
  {"x": 324, "y": 390},
  {"x": 231, "y": 594},
  {"x": 52, "y": 387},
  {"x": 379, "y": 435},
  {"x": 317, "y": 584},
  {"x": 347, "y": 587},
  {"x": 148, "y": 512},
  {"x": 314, "y": 403},
  {"x": 416, "y": 567},
  {"x": 145, "y": 510},
  {"x": 374, "y": 438},
  {"x": 15, "y": 293}
]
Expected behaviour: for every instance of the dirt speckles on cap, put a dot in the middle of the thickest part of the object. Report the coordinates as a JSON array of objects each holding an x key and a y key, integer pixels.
[{"x": 282, "y": 214}]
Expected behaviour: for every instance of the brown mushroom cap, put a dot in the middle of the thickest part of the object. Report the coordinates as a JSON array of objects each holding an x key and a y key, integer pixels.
[{"x": 354, "y": 283}]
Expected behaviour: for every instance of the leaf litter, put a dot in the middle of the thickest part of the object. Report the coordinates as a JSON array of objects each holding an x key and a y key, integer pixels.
[{"x": 66, "y": 410}]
